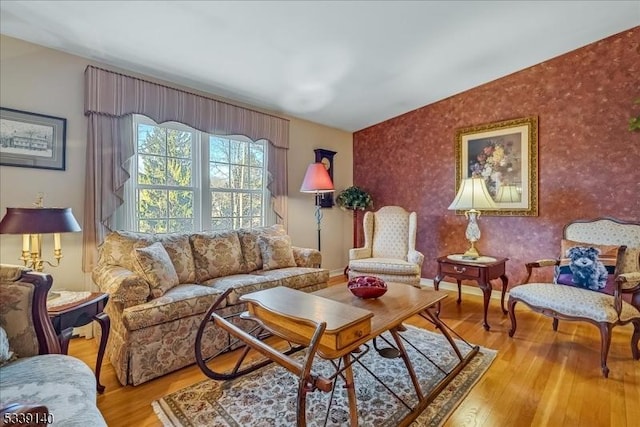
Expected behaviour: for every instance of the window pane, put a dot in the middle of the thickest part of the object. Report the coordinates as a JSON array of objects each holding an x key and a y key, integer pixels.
[
  {"x": 152, "y": 140},
  {"x": 179, "y": 172},
  {"x": 244, "y": 201},
  {"x": 218, "y": 150},
  {"x": 256, "y": 204},
  {"x": 246, "y": 222},
  {"x": 152, "y": 170},
  {"x": 180, "y": 204},
  {"x": 152, "y": 204},
  {"x": 256, "y": 154},
  {"x": 221, "y": 224},
  {"x": 255, "y": 179},
  {"x": 239, "y": 177},
  {"x": 152, "y": 226},
  {"x": 256, "y": 222},
  {"x": 182, "y": 225},
  {"x": 219, "y": 175},
  {"x": 179, "y": 143},
  {"x": 221, "y": 204},
  {"x": 238, "y": 151}
]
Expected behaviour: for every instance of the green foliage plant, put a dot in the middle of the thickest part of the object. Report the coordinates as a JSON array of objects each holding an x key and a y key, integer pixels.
[
  {"x": 354, "y": 198},
  {"x": 634, "y": 122}
]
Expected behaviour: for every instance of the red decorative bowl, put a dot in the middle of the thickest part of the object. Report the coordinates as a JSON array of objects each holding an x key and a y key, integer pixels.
[{"x": 367, "y": 287}]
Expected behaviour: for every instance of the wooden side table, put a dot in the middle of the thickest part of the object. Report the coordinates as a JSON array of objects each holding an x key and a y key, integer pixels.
[
  {"x": 74, "y": 309},
  {"x": 481, "y": 272}
]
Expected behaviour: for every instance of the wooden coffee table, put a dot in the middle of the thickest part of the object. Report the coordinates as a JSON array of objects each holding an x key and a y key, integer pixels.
[{"x": 333, "y": 324}]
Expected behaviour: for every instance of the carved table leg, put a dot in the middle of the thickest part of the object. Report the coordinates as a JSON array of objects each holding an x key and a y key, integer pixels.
[
  {"x": 436, "y": 286},
  {"x": 459, "y": 282},
  {"x": 105, "y": 326},
  {"x": 64, "y": 338},
  {"x": 505, "y": 285},
  {"x": 486, "y": 296}
]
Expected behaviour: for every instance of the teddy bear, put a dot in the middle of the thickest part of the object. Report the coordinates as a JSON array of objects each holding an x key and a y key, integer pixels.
[{"x": 588, "y": 272}]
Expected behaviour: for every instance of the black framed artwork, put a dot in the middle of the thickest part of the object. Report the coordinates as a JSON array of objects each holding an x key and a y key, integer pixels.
[{"x": 326, "y": 158}]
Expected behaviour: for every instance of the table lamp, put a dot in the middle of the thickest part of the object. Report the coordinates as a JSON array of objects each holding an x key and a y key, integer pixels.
[
  {"x": 317, "y": 180},
  {"x": 472, "y": 196},
  {"x": 32, "y": 223}
]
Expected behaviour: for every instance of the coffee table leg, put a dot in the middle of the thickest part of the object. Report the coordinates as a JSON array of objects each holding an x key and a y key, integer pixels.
[
  {"x": 105, "y": 326},
  {"x": 407, "y": 363},
  {"x": 351, "y": 391}
]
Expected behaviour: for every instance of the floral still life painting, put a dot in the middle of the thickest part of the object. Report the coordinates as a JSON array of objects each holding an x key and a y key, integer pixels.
[{"x": 505, "y": 155}]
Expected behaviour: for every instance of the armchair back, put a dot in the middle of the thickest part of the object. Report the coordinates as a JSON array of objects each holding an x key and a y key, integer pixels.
[{"x": 391, "y": 231}]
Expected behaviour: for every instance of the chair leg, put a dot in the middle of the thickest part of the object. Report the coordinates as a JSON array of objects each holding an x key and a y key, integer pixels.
[
  {"x": 512, "y": 315},
  {"x": 555, "y": 324},
  {"x": 635, "y": 340},
  {"x": 605, "y": 334}
]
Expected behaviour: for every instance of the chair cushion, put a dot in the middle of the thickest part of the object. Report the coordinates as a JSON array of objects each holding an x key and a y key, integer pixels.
[
  {"x": 575, "y": 302},
  {"x": 276, "y": 252},
  {"x": 383, "y": 266},
  {"x": 153, "y": 264}
]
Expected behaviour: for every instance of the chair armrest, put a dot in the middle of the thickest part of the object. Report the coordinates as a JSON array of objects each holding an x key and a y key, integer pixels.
[
  {"x": 122, "y": 285},
  {"x": 307, "y": 257},
  {"x": 629, "y": 282},
  {"x": 538, "y": 264},
  {"x": 359, "y": 253},
  {"x": 415, "y": 257},
  {"x": 18, "y": 414}
]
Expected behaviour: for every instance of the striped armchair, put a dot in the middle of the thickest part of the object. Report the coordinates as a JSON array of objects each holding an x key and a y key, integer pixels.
[{"x": 389, "y": 250}]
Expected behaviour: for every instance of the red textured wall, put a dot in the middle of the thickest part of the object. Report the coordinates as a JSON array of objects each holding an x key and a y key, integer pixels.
[{"x": 589, "y": 163}]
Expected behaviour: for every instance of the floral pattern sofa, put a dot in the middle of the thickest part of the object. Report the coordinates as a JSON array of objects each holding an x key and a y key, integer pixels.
[{"x": 161, "y": 285}]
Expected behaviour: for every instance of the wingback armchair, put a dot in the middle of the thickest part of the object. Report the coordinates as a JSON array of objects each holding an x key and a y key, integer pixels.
[
  {"x": 610, "y": 298},
  {"x": 389, "y": 247}
]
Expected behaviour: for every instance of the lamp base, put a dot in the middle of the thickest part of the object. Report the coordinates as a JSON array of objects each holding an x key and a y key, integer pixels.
[{"x": 472, "y": 252}]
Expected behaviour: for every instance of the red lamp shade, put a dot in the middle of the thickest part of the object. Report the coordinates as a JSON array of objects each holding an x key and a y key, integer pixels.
[{"x": 317, "y": 180}]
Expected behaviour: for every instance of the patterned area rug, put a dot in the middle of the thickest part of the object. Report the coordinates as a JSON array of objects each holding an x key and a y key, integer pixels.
[{"x": 267, "y": 397}]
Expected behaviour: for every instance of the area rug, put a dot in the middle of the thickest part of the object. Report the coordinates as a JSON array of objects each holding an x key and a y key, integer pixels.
[{"x": 267, "y": 397}]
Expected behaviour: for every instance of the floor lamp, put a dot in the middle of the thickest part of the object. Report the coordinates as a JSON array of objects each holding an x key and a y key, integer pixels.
[{"x": 317, "y": 180}]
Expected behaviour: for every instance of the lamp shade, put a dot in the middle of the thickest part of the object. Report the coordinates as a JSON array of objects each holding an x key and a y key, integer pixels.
[
  {"x": 508, "y": 194},
  {"x": 38, "y": 221},
  {"x": 317, "y": 180},
  {"x": 473, "y": 194}
]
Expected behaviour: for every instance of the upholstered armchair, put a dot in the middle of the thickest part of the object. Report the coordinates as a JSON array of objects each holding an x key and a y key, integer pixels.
[
  {"x": 37, "y": 382},
  {"x": 389, "y": 247},
  {"x": 604, "y": 290}
]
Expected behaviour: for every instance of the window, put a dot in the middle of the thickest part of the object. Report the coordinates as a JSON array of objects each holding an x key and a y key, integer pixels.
[{"x": 185, "y": 180}]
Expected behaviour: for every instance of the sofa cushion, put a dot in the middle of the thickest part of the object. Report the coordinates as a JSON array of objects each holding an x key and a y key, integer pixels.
[
  {"x": 250, "y": 247},
  {"x": 276, "y": 252},
  {"x": 6, "y": 355},
  {"x": 296, "y": 277},
  {"x": 181, "y": 301},
  {"x": 216, "y": 254},
  {"x": 16, "y": 317},
  {"x": 153, "y": 264},
  {"x": 179, "y": 250},
  {"x": 64, "y": 384},
  {"x": 241, "y": 284},
  {"x": 118, "y": 246}
]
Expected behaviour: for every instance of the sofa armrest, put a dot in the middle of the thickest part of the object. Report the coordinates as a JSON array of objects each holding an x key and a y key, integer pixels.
[
  {"x": 359, "y": 253},
  {"x": 307, "y": 257},
  {"x": 538, "y": 264},
  {"x": 122, "y": 285}
]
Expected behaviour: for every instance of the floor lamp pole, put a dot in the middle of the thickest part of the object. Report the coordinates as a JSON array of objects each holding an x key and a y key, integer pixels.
[{"x": 318, "y": 216}]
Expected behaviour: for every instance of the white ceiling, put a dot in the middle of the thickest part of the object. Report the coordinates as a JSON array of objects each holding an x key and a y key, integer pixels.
[{"x": 345, "y": 64}]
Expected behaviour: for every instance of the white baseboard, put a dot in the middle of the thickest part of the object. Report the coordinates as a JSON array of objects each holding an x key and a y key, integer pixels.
[{"x": 466, "y": 289}]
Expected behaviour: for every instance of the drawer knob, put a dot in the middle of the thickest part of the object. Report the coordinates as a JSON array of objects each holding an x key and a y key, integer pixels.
[{"x": 459, "y": 269}]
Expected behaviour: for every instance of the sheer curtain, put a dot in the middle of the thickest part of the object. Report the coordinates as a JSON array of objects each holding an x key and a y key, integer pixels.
[{"x": 110, "y": 101}]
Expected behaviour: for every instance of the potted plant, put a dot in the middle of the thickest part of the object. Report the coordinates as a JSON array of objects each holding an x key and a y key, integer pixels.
[{"x": 354, "y": 199}]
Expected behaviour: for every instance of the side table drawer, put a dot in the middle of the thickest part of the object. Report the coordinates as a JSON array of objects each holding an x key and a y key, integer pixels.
[{"x": 460, "y": 270}]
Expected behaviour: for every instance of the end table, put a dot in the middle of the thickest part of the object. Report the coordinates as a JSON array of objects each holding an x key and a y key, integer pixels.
[
  {"x": 482, "y": 271},
  {"x": 74, "y": 309}
]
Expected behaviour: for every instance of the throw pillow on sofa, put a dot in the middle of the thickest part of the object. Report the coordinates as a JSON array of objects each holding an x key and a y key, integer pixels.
[
  {"x": 153, "y": 264},
  {"x": 216, "y": 254},
  {"x": 276, "y": 252}
]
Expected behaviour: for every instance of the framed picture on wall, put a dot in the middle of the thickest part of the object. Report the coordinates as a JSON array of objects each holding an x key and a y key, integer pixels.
[
  {"x": 32, "y": 140},
  {"x": 505, "y": 154}
]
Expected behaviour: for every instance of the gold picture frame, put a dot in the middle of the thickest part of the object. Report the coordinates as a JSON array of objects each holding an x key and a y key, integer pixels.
[{"x": 505, "y": 154}]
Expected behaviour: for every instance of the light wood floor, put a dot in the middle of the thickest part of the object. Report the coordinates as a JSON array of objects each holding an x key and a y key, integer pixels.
[{"x": 539, "y": 377}]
